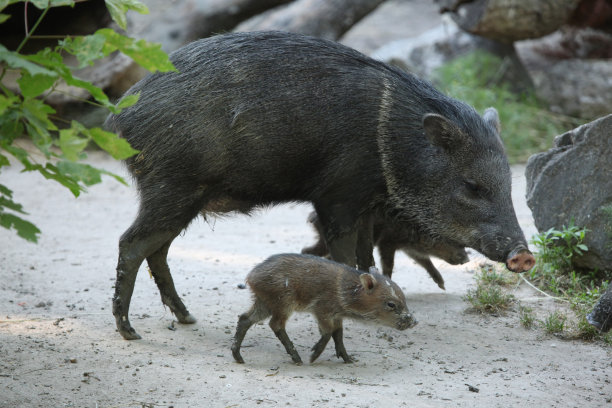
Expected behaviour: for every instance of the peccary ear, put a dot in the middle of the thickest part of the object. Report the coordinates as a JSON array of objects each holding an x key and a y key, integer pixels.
[
  {"x": 442, "y": 132},
  {"x": 491, "y": 117},
  {"x": 368, "y": 281}
]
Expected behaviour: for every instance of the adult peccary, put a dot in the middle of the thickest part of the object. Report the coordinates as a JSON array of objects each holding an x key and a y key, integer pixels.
[
  {"x": 389, "y": 237},
  {"x": 328, "y": 290},
  {"x": 253, "y": 119}
]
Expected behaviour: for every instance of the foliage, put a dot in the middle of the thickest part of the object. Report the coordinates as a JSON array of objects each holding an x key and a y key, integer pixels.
[
  {"x": 527, "y": 126},
  {"x": 553, "y": 269},
  {"x": 554, "y": 322},
  {"x": 526, "y": 317},
  {"x": 25, "y": 113},
  {"x": 488, "y": 296},
  {"x": 553, "y": 273}
]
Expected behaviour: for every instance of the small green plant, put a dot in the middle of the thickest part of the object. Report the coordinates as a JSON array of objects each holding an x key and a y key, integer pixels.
[
  {"x": 494, "y": 275},
  {"x": 24, "y": 112},
  {"x": 488, "y": 299},
  {"x": 526, "y": 317},
  {"x": 558, "y": 247},
  {"x": 554, "y": 322},
  {"x": 527, "y": 126}
]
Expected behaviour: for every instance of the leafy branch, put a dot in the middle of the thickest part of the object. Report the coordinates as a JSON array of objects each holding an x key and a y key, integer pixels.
[{"x": 24, "y": 112}]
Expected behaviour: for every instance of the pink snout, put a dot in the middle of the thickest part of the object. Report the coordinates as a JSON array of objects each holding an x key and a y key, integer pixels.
[{"x": 520, "y": 261}]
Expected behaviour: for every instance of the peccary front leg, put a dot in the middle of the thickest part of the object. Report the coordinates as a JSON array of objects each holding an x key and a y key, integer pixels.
[
  {"x": 425, "y": 262},
  {"x": 337, "y": 335},
  {"x": 277, "y": 324},
  {"x": 387, "y": 257},
  {"x": 256, "y": 314},
  {"x": 365, "y": 243},
  {"x": 161, "y": 273},
  {"x": 318, "y": 348}
]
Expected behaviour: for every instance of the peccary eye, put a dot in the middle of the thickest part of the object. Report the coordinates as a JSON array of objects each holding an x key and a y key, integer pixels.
[{"x": 473, "y": 187}]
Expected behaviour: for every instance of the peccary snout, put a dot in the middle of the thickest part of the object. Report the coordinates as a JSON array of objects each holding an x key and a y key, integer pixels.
[
  {"x": 407, "y": 321},
  {"x": 520, "y": 260}
]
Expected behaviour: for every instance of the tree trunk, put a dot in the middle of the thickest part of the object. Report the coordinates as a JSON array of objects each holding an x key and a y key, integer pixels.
[
  {"x": 227, "y": 15},
  {"x": 509, "y": 20},
  {"x": 321, "y": 18}
]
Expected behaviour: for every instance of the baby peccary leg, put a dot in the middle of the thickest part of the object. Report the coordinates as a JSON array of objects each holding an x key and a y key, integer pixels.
[
  {"x": 277, "y": 324},
  {"x": 339, "y": 343},
  {"x": 257, "y": 313},
  {"x": 318, "y": 348}
]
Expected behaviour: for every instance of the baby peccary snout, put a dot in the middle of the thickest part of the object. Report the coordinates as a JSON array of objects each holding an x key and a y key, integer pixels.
[{"x": 329, "y": 290}]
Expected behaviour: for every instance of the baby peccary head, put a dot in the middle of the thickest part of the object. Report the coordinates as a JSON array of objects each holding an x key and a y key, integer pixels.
[
  {"x": 328, "y": 290},
  {"x": 378, "y": 299}
]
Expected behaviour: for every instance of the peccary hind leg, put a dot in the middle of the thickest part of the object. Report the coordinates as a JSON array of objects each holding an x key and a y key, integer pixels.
[
  {"x": 161, "y": 273},
  {"x": 149, "y": 239},
  {"x": 133, "y": 249},
  {"x": 256, "y": 314}
]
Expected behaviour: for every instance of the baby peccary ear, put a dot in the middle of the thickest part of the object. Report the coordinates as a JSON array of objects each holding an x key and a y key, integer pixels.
[
  {"x": 491, "y": 117},
  {"x": 368, "y": 281},
  {"x": 442, "y": 132}
]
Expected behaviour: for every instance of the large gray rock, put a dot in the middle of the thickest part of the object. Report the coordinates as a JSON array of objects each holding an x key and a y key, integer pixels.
[{"x": 573, "y": 180}]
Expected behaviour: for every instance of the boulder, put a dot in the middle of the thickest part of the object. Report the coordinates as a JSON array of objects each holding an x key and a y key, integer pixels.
[
  {"x": 573, "y": 181},
  {"x": 601, "y": 315}
]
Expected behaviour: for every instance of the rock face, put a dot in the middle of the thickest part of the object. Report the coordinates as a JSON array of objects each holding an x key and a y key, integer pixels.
[
  {"x": 601, "y": 316},
  {"x": 573, "y": 180}
]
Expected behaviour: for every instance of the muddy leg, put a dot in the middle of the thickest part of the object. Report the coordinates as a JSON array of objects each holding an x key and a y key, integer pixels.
[
  {"x": 365, "y": 243},
  {"x": 132, "y": 251},
  {"x": 318, "y": 348},
  {"x": 425, "y": 262},
  {"x": 161, "y": 273},
  {"x": 387, "y": 257},
  {"x": 277, "y": 324},
  {"x": 257, "y": 313},
  {"x": 339, "y": 343},
  {"x": 319, "y": 248}
]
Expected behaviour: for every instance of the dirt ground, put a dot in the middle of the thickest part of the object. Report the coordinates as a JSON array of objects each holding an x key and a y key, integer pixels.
[{"x": 59, "y": 346}]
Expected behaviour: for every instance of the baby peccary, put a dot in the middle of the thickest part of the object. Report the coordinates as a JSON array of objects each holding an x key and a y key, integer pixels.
[
  {"x": 389, "y": 237},
  {"x": 329, "y": 290}
]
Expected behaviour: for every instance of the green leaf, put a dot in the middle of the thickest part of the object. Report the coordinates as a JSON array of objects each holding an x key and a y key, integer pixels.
[
  {"x": 18, "y": 61},
  {"x": 118, "y": 8},
  {"x": 128, "y": 101},
  {"x": 117, "y": 147},
  {"x": 4, "y": 161},
  {"x": 87, "y": 48},
  {"x": 4, "y": 17},
  {"x": 25, "y": 229},
  {"x": 41, "y": 4},
  {"x": 58, "y": 3},
  {"x": 71, "y": 144},
  {"x": 5, "y": 102},
  {"x": 148, "y": 55},
  {"x": 6, "y": 202},
  {"x": 583, "y": 247},
  {"x": 32, "y": 86},
  {"x": 80, "y": 172},
  {"x": 52, "y": 172}
]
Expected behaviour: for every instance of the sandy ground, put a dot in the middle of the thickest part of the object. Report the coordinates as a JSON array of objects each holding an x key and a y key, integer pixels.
[{"x": 59, "y": 346}]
